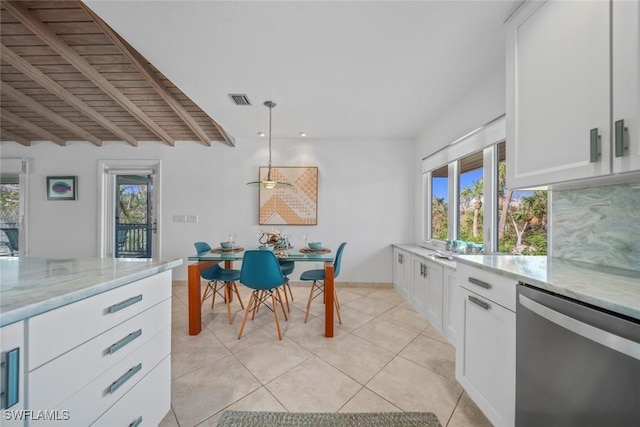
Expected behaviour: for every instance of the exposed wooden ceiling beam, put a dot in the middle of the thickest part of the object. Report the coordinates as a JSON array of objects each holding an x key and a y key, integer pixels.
[
  {"x": 34, "y": 105},
  {"x": 25, "y": 124},
  {"x": 150, "y": 76},
  {"x": 65, "y": 51},
  {"x": 10, "y": 136},
  {"x": 52, "y": 86}
]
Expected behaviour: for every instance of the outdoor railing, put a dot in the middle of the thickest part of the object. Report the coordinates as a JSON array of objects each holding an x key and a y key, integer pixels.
[{"x": 132, "y": 241}]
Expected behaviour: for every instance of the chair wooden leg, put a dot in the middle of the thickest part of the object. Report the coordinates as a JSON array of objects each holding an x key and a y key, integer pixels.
[
  {"x": 277, "y": 290},
  {"x": 275, "y": 314},
  {"x": 286, "y": 298},
  {"x": 205, "y": 293},
  {"x": 337, "y": 304},
  {"x": 246, "y": 314},
  {"x": 288, "y": 287},
  {"x": 227, "y": 300},
  {"x": 215, "y": 292},
  {"x": 313, "y": 287},
  {"x": 235, "y": 289}
]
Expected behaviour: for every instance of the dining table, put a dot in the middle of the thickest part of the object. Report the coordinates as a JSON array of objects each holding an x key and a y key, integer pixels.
[{"x": 205, "y": 260}]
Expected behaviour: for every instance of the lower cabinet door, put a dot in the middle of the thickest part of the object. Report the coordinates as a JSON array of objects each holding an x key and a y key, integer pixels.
[
  {"x": 485, "y": 357},
  {"x": 146, "y": 404}
]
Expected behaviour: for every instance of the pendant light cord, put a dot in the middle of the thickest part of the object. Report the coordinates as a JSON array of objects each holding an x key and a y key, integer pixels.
[{"x": 269, "y": 168}]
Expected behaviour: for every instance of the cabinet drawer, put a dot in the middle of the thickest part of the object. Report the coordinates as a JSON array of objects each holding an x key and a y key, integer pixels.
[
  {"x": 58, "y": 331},
  {"x": 76, "y": 368},
  {"x": 146, "y": 404},
  {"x": 89, "y": 403},
  {"x": 494, "y": 287}
]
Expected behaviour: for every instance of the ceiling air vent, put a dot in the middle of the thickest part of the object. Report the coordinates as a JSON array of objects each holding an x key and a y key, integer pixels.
[{"x": 240, "y": 98}]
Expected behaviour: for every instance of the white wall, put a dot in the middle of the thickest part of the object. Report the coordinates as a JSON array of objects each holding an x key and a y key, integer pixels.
[
  {"x": 480, "y": 106},
  {"x": 365, "y": 197}
]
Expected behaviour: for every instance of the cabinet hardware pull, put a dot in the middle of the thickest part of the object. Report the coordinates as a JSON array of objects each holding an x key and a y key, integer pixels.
[
  {"x": 479, "y": 302},
  {"x": 11, "y": 383},
  {"x": 594, "y": 140},
  {"x": 479, "y": 283},
  {"x": 124, "y": 304},
  {"x": 123, "y": 379},
  {"x": 124, "y": 341},
  {"x": 426, "y": 271},
  {"x": 137, "y": 422},
  {"x": 619, "y": 138}
]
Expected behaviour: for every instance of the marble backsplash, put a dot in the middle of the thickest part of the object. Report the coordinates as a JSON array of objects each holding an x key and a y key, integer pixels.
[{"x": 599, "y": 225}]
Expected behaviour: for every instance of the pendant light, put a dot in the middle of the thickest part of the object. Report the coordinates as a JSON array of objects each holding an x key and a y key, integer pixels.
[{"x": 269, "y": 183}]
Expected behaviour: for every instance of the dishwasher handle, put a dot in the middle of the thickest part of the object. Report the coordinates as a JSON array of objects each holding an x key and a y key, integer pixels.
[{"x": 607, "y": 339}]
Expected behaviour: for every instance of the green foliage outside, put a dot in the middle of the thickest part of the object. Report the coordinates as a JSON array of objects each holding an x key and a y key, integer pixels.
[
  {"x": 133, "y": 204},
  {"x": 9, "y": 203},
  {"x": 523, "y": 229}
]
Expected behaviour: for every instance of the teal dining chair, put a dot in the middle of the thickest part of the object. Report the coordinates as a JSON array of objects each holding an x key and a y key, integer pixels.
[
  {"x": 221, "y": 281},
  {"x": 262, "y": 273},
  {"x": 317, "y": 288}
]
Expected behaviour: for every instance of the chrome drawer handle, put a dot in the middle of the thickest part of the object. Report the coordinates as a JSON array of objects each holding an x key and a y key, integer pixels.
[
  {"x": 480, "y": 283},
  {"x": 123, "y": 379},
  {"x": 479, "y": 302},
  {"x": 137, "y": 422},
  {"x": 124, "y": 341},
  {"x": 11, "y": 380},
  {"x": 124, "y": 304}
]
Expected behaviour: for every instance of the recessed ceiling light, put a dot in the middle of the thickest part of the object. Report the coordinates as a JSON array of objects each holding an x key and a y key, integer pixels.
[
  {"x": 260, "y": 133},
  {"x": 303, "y": 134}
]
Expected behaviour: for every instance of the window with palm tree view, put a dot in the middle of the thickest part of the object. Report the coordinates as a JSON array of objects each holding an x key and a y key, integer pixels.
[{"x": 521, "y": 216}]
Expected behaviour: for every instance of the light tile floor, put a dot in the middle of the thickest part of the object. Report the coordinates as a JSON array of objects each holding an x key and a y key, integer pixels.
[{"x": 384, "y": 357}]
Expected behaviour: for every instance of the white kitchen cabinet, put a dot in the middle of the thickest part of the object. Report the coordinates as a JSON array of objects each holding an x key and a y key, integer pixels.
[
  {"x": 450, "y": 304},
  {"x": 626, "y": 85},
  {"x": 427, "y": 285},
  {"x": 559, "y": 100},
  {"x": 402, "y": 275},
  {"x": 486, "y": 342},
  {"x": 12, "y": 351}
]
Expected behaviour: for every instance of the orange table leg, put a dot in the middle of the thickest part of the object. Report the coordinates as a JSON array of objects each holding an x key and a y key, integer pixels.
[
  {"x": 329, "y": 293},
  {"x": 193, "y": 289},
  {"x": 228, "y": 264}
]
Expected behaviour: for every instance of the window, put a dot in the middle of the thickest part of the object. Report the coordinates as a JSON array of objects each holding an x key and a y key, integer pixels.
[
  {"x": 440, "y": 203},
  {"x": 471, "y": 198},
  {"x": 522, "y": 216},
  {"x": 9, "y": 213},
  {"x": 468, "y": 200}
]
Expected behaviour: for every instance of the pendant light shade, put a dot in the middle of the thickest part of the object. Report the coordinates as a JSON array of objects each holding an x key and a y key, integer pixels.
[{"x": 269, "y": 183}]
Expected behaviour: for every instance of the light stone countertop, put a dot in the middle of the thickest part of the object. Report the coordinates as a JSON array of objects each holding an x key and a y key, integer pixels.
[
  {"x": 427, "y": 253},
  {"x": 609, "y": 288},
  {"x": 31, "y": 286}
]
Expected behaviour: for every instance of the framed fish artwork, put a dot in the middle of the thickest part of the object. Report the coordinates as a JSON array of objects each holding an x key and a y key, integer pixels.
[{"x": 62, "y": 188}]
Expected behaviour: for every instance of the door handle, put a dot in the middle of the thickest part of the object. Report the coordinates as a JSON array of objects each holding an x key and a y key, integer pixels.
[{"x": 594, "y": 145}]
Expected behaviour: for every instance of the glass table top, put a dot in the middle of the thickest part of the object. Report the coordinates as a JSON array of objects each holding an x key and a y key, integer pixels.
[{"x": 291, "y": 255}]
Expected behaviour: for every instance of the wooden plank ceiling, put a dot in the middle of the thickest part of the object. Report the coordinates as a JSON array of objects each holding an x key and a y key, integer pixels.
[{"x": 67, "y": 76}]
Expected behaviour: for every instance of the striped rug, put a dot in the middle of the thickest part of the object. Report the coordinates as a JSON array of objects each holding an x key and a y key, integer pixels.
[{"x": 316, "y": 419}]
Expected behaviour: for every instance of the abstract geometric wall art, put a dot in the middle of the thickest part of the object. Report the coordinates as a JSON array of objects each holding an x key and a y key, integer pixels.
[{"x": 290, "y": 205}]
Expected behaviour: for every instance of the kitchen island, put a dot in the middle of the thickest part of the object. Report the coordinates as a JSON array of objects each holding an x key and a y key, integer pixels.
[{"x": 89, "y": 340}]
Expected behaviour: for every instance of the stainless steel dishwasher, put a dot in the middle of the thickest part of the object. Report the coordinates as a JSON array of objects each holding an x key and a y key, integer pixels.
[{"x": 576, "y": 365}]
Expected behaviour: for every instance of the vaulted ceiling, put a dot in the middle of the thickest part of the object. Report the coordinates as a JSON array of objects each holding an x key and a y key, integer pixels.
[{"x": 67, "y": 76}]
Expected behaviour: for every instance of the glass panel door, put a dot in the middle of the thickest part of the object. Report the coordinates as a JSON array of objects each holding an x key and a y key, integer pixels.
[
  {"x": 9, "y": 214},
  {"x": 134, "y": 216}
]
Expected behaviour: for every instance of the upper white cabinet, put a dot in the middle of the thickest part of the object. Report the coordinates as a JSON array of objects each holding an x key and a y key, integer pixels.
[
  {"x": 560, "y": 99},
  {"x": 626, "y": 87}
]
